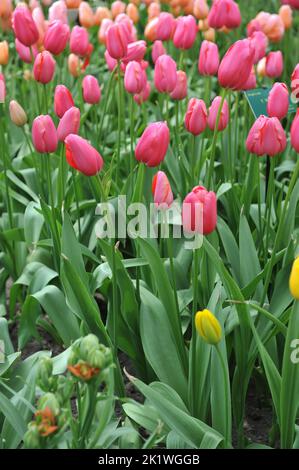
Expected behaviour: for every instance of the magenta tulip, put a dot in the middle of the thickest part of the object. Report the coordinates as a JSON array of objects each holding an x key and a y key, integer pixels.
[
  {"x": 295, "y": 132},
  {"x": 196, "y": 116},
  {"x": 82, "y": 156},
  {"x": 117, "y": 41},
  {"x": 165, "y": 77},
  {"x": 295, "y": 83},
  {"x": 208, "y": 61},
  {"x": 153, "y": 144},
  {"x": 259, "y": 43},
  {"x": 24, "y": 26},
  {"x": 199, "y": 212},
  {"x": 157, "y": 50},
  {"x": 56, "y": 37},
  {"x": 91, "y": 90},
  {"x": 266, "y": 137},
  {"x": 25, "y": 53},
  {"x": 278, "y": 101},
  {"x": 274, "y": 64},
  {"x": 165, "y": 26},
  {"x": 135, "y": 51},
  {"x": 44, "y": 135},
  {"x": 180, "y": 90},
  {"x": 224, "y": 13}
]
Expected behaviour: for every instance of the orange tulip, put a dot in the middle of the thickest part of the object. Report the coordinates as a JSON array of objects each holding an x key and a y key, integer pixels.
[
  {"x": 100, "y": 14},
  {"x": 117, "y": 8},
  {"x": 210, "y": 35},
  {"x": 74, "y": 65},
  {"x": 4, "y": 54},
  {"x": 132, "y": 12},
  {"x": 286, "y": 14},
  {"x": 200, "y": 9},
  {"x": 86, "y": 16},
  {"x": 72, "y": 4}
]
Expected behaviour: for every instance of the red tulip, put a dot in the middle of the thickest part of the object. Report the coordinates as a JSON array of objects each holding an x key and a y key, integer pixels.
[
  {"x": 161, "y": 189},
  {"x": 199, "y": 212},
  {"x": 56, "y": 37},
  {"x": 208, "y": 61},
  {"x": 165, "y": 77},
  {"x": 196, "y": 116},
  {"x": 79, "y": 41},
  {"x": 117, "y": 41},
  {"x": 135, "y": 78},
  {"x": 44, "y": 135},
  {"x": 213, "y": 113},
  {"x": 91, "y": 90},
  {"x": 181, "y": 88},
  {"x": 24, "y": 26},
  {"x": 278, "y": 101},
  {"x": 266, "y": 137},
  {"x": 69, "y": 123},
  {"x": 274, "y": 64},
  {"x": 63, "y": 100},
  {"x": 153, "y": 144},
  {"x": 236, "y": 65},
  {"x": 295, "y": 132},
  {"x": 185, "y": 32},
  {"x": 44, "y": 67},
  {"x": 224, "y": 13},
  {"x": 82, "y": 156}
]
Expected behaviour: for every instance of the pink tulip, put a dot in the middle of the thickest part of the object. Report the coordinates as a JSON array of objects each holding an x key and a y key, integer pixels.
[
  {"x": 117, "y": 41},
  {"x": 274, "y": 28},
  {"x": 24, "y": 26},
  {"x": 165, "y": 26},
  {"x": 144, "y": 95},
  {"x": 199, "y": 212},
  {"x": 278, "y": 101},
  {"x": 91, "y": 90},
  {"x": 82, "y": 156},
  {"x": 259, "y": 42},
  {"x": 63, "y": 100},
  {"x": 135, "y": 78},
  {"x": 236, "y": 65},
  {"x": 196, "y": 116},
  {"x": 251, "y": 82},
  {"x": 69, "y": 123},
  {"x": 213, "y": 113},
  {"x": 56, "y": 37},
  {"x": 274, "y": 64},
  {"x": 224, "y": 13},
  {"x": 102, "y": 33},
  {"x": 157, "y": 50},
  {"x": 165, "y": 77},
  {"x": 39, "y": 20},
  {"x": 161, "y": 189},
  {"x": 253, "y": 26},
  {"x": 25, "y": 53},
  {"x": 153, "y": 144},
  {"x": 135, "y": 51},
  {"x": 185, "y": 32},
  {"x": 44, "y": 135},
  {"x": 58, "y": 11},
  {"x": 266, "y": 137},
  {"x": 111, "y": 63},
  {"x": 2, "y": 88},
  {"x": 295, "y": 83},
  {"x": 79, "y": 41},
  {"x": 295, "y": 132},
  {"x": 181, "y": 88},
  {"x": 208, "y": 61},
  {"x": 44, "y": 67}
]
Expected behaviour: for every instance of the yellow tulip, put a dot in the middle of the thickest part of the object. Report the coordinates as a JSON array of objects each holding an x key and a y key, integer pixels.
[
  {"x": 294, "y": 279},
  {"x": 208, "y": 326}
]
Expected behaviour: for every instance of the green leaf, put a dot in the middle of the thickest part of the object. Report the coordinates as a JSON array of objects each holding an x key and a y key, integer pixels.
[{"x": 12, "y": 415}]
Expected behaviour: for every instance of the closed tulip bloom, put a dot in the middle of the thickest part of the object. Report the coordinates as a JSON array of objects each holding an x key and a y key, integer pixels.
[
  {"x": 56, "y": 37},
  {"x": 69, "y": 123},
  {"x": 128, "y": 25},
  {"x": 266, "y": 137},
  {"x": 294, "y": 279},
  {"x": 143, "y": 95},
  {"x": 209, "y": 35},
  {"x": 236, "y": 65},
  {"x": 259, "y": 42},
  {"x": 17, "y": 114},
  {"x": 251, "y": 82},
  {"x": 261, "y": 67},
  {"x": 185, "y": 32},
  {"x": 24, "y": 26},
  {"x": 165, "y": 77},
  {"x": 161, "y": 189},
  {"x": 44, "y": 135},
  {"x": 136, "y": 51},
  {"x": 295, "y": 83},
  {"x": 25, "y": 53},
  {"x": 117, "y": 8},
  {"x": 150, "y": 31},
  {"x": 86, "y": 15},
  {"x": 278, "y": 101},
  {"x": 295, "y": 132},
  {"x": 4, "y": 54},
  {"x": 135, "y": 78},
  {"x": 286, "y": 14},
  {"x": 274, "y": 28},
  {"x": 44, "y": 67},
  {"x": 63, "y": 100},
  {"x": 213, "y": 113},
  {"x": 200, "y": 9},
  {"x": 82, "y": 156},
  {"x": 132, "y": 12},
  {"x": 117, "y": 41},
  {"x": 274, "y": 64},
  {"x": 208, "y": 327},
  {"x": 224, "y": 13},
  {"x": 165, "y": 26},
  {"x": 100, "y": 14},
  {"x": 91, "y": 90},
  {"x": 58, "y": 11},
  {"x": 2, "y": 88},
  {"x": 153, "y": 144},
  {"x": 199, "y": 212},
  {"x": 196, "y": 117},
  {"x": 180, "y": 91},
  {"x": 208, "y": 61},
  {"x": 157, "y": 50},
  {"x": 102, "y": 33},
  {"x": 74, "y": 65},
  {"x": 79, "y": 41}
]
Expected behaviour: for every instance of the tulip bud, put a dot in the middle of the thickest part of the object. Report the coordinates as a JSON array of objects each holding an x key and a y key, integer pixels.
[
  {"x": 132, "y": 12},
  {"x": 165, "y": 26},
  {"x": 69, "y": 123},
  {"x": 266, "y": 137},
  {"x": 103, "y": 29},
  {"x": 100, "y": 14},
  {"x": 79, "y": 41},
  {"x": 185, "y": 32},
  {"x": 117, "y": 41},
  {"x": 196, "y": 116},
  {"x": 208, "y": 61},
  {"x": 143, "y": 95},
  {"x": 63, "y": 100},
  {"x": 135, "y": 78},
  {"x": 278, "y": 101},
  {"x": 48, "y": 400},
  {"x": 44, "y": 135},
  {"x": 200, "y": 9},
  {"x": 165, "y": 76},
  {"x": 136, "y": 51},
  {"x": 82, "y": 156},
  {"x": 56, "y": 37},
  {"x": 24, "y": 27},
  {"x": 153, "y": 144},
  {"x": 286, "y": 15},
  {"x": 259, "y": 43},
  {"x": 45, "y": 380},
  {"x": 74, "y": 65},
  {"x": 87, "y": 344},
  {"x": 274, "y": 64},
  {"x": 44, "y": 67},
  {"x": 91, "y": 90},
  {"x": 209, "y": 35},
  {"x": 213, "y": 114},
  {"x": 32, "y": 437},
  {"x": 294, "y": 279},
  {"x": 117, "y": 8},
  {"x": 153, "y": 11},
  {"x": 224, "y": 13},
  {"x": 274, "y": 28},
  {"x": 157, "y": 50},
  {"x": 161, "y": 190},
  {"x": 208, "y": 326},
  {"x": 150, "y": 32},
  {"x": 236, "y": 65},
  {"x": 199, "y": 212},
  {"x": 86, "y": 15},
  {"x": 180, "y": 90},
  {"x": 4, "y": 54},
  {"x": 295, "y": 132},
  {"x": 17, "y": 114},
  {"x": 261, "y": 67}
]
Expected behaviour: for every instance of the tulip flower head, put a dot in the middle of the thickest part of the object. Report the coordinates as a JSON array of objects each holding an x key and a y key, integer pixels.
[
  {"x": 224, "y": 13},
  {"x": 165, "y": 76},
  {"x": 144, "y": 95},
  {"x": 56, "y": 37},
  {"x": 2, "y": 88},
  {"x": 208, "y": 327},
  {"x": 91, "y": 90},
  {"x": 274, "y": 64},
  {"x": 295, "y": 132},
  {"x": 117, "y": 41},
  {"x": 4, "y": 53},
  {"x": 17, "y": 114},
  {"x": 278, "y": 101},
  {"x": 63, "y": 100},
  {"x": 161, "y": 190},
  {"x": 135, "y": 78},
  {"x": 294, "y": 279},
  {"x": 69, "y": 123},
  {"x": 236, "y": 65},
  {"x": 79, "y": 41},
  {"x": 266, "y": 137},
  {"x": 295, "y": 83},
  {"x": 185, "y": 32},
  {"x": 213, "y": 114},
  {"x": 24, "y": 26},
  {"x": 199, "y": 212},
  {"x": 82, "y": 156},
  {"x": 44, "y": 67},
  {"x": 153, "y": 144},
  {"x": 165, "y": 26},
  {"x": 135, "y": 51},
  {"x": 208, "y": 61},
  {"x": 157, "y": 50},
  {"x": 196, "y": 117},
  {"x": 180, "y": 91},
  {"x": 44, "y": 135}
]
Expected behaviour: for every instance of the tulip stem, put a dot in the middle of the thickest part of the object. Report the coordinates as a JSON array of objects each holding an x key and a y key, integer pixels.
[
  {"x": 226, "y": 395},
  {"x": 7, "y": 192},
  {"x": 76, "y": 201},
  {"x": 192, "y": 165},
  {"x": 118, "y": 122},
  {"x": 132, "y": 122},
  {"x": 107, "y": 95},
  {"x": 269, "y": 195}
]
